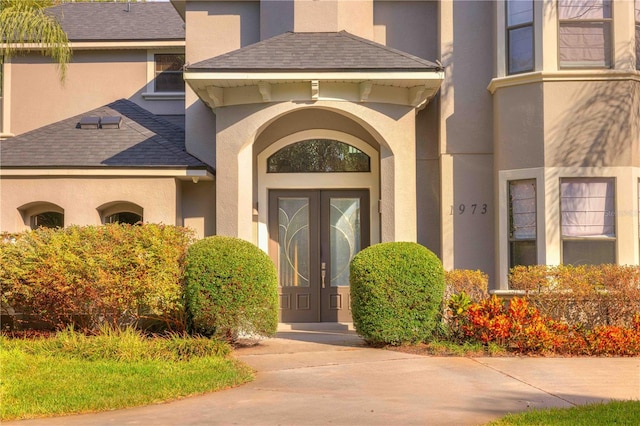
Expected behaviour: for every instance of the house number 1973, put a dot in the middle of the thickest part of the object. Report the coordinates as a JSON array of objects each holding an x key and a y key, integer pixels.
[{"x": 469, "y": 209}]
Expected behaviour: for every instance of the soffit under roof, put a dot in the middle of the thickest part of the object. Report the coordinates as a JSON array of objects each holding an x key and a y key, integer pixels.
[{"x": 275, "y": 69}]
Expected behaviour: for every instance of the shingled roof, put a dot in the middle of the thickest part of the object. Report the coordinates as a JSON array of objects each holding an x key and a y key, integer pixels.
[
  {"x": 119, "y": 21},
  {"x": 316, "y": 52},
  {"x": 144, "y": 140}
]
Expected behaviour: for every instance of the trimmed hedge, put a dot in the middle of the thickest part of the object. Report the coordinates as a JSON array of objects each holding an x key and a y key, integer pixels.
[
  {"x": 231, "y": 288},
  {"x": 586, "y": 295},
  {"x": 94, "y": 275},
  {"x": 396, "y": 293}
]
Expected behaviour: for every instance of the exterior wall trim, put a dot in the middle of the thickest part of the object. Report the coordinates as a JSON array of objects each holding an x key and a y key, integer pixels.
[
  {"x": 84, "y": 172},
  {"x": 569, "y": 75}
]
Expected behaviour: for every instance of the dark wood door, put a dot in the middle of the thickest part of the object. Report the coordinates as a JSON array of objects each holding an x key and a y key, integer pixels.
[{"x": 314, "y": 236}]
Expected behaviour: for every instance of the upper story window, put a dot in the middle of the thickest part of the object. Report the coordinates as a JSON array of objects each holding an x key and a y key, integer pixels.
[
  {"x": 584, "y": 37},
  {"x": 318, "y": 155},
  {"x": 168, "y": 72},
  {"x": 520, "y": 50},
  {"x": 637, "y": 13}
]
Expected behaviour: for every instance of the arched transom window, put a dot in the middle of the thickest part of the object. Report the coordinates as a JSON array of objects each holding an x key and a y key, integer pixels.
[{"x": 318, "y": 156}]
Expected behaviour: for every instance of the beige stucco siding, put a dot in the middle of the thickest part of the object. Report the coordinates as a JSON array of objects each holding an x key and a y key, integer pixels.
[
  {"x": 519, "y": 127},
  {"x": 393, "y": 19},
  {"x": 80, "y": 198},
  {"x": 94, "y": 78},
  {"x": 591, "y": 123},
  {"x": 199, "y": 207}
]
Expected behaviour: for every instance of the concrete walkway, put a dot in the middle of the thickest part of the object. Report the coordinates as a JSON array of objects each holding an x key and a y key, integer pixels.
[{"x": 331, "y": 377}]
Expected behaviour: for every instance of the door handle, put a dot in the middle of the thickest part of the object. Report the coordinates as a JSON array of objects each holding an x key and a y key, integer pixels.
[{"x": 323, "y": 272}]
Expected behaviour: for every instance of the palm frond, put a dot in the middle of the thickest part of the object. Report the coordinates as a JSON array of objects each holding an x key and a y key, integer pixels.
[{"x": 24, "y": 27}]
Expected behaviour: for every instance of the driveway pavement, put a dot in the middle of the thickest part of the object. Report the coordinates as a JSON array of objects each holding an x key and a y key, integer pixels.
[{"x": 331, "y": 377}]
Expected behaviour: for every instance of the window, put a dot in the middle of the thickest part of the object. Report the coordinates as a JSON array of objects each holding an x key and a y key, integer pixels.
[
  {"x": 47, "y": 220},
  {"x": 522, "y": 223},
  {"x": 519, "y": 36},
  {"x": 124, "y": 217},
  {"x": 318, "y": 155},
  {"x": 168, "y": 72},
  {"x": 585, "y": 33},
  {"x": 588, "y": 221},
  {"x": 637, "y": 13}
]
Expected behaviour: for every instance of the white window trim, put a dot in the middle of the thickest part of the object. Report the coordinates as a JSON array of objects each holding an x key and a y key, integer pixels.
[{"x": 151, "y": 94}]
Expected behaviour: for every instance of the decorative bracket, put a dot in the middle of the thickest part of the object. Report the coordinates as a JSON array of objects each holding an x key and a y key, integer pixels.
[
  {"x": 418, "y": 96},
  {"x": 365, "y": 90},
  {"x": 315, "y": 89},
  {"x": 216, "y": 94},
  {"x": 265, "y": 91}
]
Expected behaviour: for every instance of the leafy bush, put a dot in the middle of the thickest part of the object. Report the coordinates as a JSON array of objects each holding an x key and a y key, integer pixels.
[
  {"x": 521, "y": 328},
  {"x": 92, "y": 275},
  {"x": 588, "y": 295},
  {"x": 231, "y": 287},
  {"x": 396, "y": 292},
  {"x": 474, "y": 284}
]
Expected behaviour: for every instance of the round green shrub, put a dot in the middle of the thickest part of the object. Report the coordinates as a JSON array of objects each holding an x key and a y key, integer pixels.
[
  {"x": 231, "y": 287},
  {"x": 396, "y": 293}
]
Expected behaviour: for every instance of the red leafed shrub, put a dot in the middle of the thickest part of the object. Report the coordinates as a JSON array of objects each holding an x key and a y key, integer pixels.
[{"x": 520, "y": 327}]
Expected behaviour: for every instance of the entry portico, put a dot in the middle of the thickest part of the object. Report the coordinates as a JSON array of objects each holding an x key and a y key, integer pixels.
[{"x": 331, "y": 88}]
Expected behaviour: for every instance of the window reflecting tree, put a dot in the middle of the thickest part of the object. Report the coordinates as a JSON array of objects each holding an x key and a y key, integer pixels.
[{"x": 318, "y": 156}]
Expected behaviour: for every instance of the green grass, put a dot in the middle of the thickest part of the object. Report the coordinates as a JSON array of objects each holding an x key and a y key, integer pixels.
[
  {"x": 612, "y": 413},
  {"x": 66, "y": 374}
]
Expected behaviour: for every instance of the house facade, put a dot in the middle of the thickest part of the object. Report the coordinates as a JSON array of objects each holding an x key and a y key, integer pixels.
[{"x": 494, "y": 133}]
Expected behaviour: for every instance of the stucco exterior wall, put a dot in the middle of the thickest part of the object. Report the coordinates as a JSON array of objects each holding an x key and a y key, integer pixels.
[
  {"x": 199, "y": 207},
  {"x": 94, "y": 78},
  {"x": 519, "y": 127},
  {"x": 591, "y": 123},
  {"x": 213, "y": 28},
  {"x": 81, "y": 197},
  {"x": 410, "y": 26},
  {"x": 466, "y": 135}
]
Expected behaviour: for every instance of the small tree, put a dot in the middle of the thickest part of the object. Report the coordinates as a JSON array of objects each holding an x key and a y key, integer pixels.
[
  {"x": 231, "y": 287},
  {"x": 396, "y": 293}
]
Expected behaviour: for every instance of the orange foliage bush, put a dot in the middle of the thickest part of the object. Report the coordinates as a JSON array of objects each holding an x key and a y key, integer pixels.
[{"x": 520, "y": 327}]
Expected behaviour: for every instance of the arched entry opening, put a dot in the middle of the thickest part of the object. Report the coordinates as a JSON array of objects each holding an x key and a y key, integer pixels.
[{"x": 318, "y": 193}]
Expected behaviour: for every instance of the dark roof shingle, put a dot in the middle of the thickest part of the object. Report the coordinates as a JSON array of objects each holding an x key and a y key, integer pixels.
[
  {"x": 143, "y": 140},
  {"x": 117, "y": 21},
  {"x": 315, "y": 52}
]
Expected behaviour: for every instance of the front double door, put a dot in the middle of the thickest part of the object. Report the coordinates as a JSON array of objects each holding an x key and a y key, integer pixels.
[{"x": 314, "y": 234}]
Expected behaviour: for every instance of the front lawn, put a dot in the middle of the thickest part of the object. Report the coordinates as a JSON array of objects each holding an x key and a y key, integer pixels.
[
  {"x": 612, "y": 413},
  {"x": 71, "y": 373}
]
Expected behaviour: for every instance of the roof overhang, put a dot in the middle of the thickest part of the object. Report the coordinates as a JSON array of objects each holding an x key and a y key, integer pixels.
[
  {"x": 401, "y": 87},
  {"x": 141, "y": 172},
  {"x": 109, "y": 45}
]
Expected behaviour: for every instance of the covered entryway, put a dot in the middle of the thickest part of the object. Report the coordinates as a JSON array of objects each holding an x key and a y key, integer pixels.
[
  {"x": 337, "y": 119},
  {"x": 314, "y": 236}
]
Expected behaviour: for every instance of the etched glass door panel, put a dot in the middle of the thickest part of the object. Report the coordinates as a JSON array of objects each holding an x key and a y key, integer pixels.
[
  {"x": 293, "y": 235},
  {"x": 294, "y": 228},
  {"x": 344, "y": 232}
]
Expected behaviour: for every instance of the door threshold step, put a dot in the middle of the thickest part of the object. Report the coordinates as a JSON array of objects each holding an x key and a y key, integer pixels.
[{"x": 316, "y": 326}]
